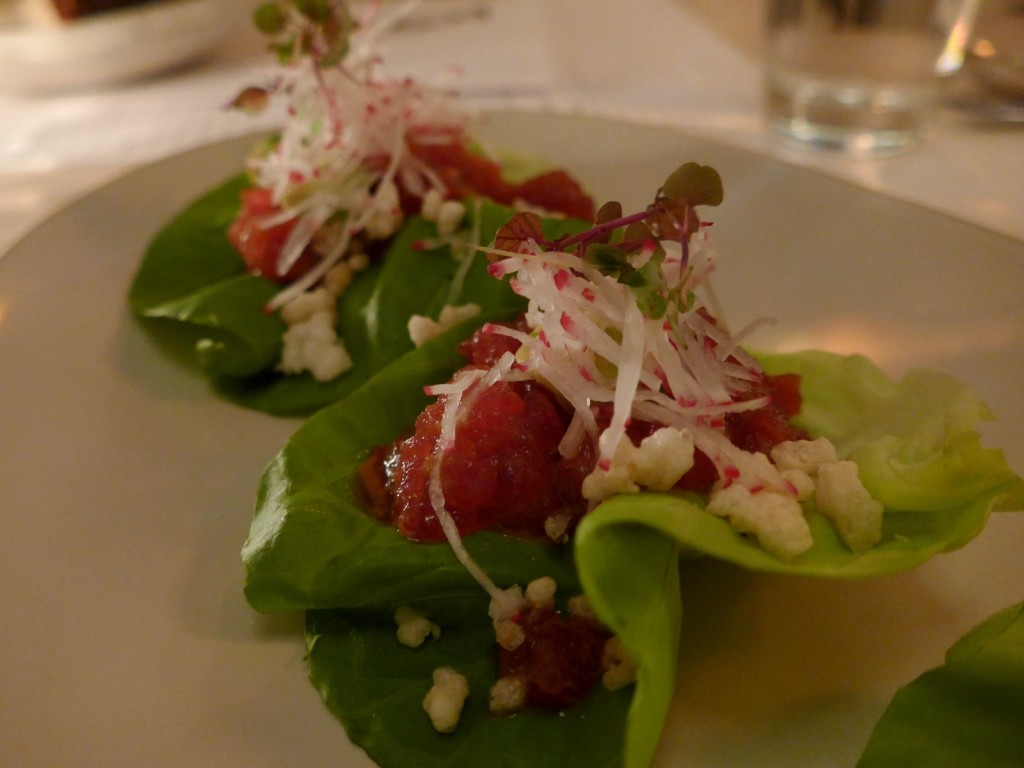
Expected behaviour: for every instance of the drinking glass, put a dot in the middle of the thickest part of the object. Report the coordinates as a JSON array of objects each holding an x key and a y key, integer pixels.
[{"x": 860, "y": 76}]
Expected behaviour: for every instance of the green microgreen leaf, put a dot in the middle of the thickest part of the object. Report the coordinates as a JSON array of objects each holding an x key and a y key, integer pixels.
[
  {"x": 609, "y": 212},
  {"x": 285, "y": 51},
  {"x": 314, "y": 29},
  {"x": 634, "y": 278},
  {"x": 653, "y": 305},
  {"x": 695, "y": 184},
  {"x": 609, "y": 259},
  {"x": 337, "y": 45},
  {"x": 637, "y": 232},
  {"x": 315, "y": 10},
  {"x": 270, "y": 18},
  {"x": 671, "y": 217},
  {"x": 649, "y": 287}
]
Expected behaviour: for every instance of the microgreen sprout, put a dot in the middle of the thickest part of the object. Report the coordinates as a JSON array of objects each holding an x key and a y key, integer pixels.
[
  {"x": 614, "y": 327},
  {"x": 342, "y": 160},
  {"x": 630, "y": 248},
  {"x": 317, "y": 30}
]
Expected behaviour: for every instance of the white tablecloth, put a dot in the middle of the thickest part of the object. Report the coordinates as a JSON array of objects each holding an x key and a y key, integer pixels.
[{"x": 653, "y": 61}]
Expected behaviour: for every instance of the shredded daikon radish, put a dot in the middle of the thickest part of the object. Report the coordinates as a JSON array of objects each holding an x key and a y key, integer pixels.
[
  {"x": 459, "y": 399},
  {"x": 647, "y": 347},
  {"x": 592, "y": 344},
  {"x": 344, "y": 146}
]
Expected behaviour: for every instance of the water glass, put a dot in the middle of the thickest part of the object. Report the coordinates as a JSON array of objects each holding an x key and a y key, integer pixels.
[{"x": 860, "y": 76}]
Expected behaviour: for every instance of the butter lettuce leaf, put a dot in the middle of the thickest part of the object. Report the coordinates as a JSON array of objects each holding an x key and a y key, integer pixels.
[
  {"x": 376, "y": 687},
  {"x": 909, "y": 438},
  {"x": 312, "y": 546},
  {"x": 193, "y": 292},
  {"x": 192, "y": 251},
  {"x": 915, "y": 440},
  {"x": 968, "y": 712}
]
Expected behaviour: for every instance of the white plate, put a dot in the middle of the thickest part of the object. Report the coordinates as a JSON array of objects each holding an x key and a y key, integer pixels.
[
  {"x": 110, "y": 47},
  {"x": 126, "y": 486}
]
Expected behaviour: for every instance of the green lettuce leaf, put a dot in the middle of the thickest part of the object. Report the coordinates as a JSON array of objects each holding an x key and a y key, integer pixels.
[
  {"x": 376, "y": 687},
  {"x": 312, "y": 546},
  {"x": 193, "y": 292},
  {"x": 968, "y": 712},
  {"x": 914, "y": 441},
  {"x": 193, "y": 250},
  {"x": 909, "y": 438}
]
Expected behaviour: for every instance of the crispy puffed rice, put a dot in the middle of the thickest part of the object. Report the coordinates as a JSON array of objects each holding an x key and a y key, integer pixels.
[
  {"x": 503, "y": 610},
  {"x": 307, "y": 304},
  {"x": 413, "y": 627},
  {"x": 509, "y": 634},
  {"x": 541, "y": 592},
  {"x": 662, "y": 458},
  {"x": 357, "y": 262},
  {"x": 386, "y": 216},
  {"x": 314, "y": 345},
  {"x": 329, "y": 362},
  {"x": 579, "y": 605},
  {"x": 430, "y": 207},
  {"x": 338, "y": 278},
  {"x": 805, "y": 455},
  {"x": 801, "y": 482},
  {"x": 556, "y": 526},
  {"x": 422, "y": 328},
  {"x": 449, "y": 217},
  {"x": 619, "y": 670},
  {"x": 658, "y": 463},
  {"x": 604, "y": 483},
  {"x": 775, "y": 519},
  {"x": 443, "y": 702},
  {"x": 844, "y": 500},
  {"x": 508, "y": 694}
]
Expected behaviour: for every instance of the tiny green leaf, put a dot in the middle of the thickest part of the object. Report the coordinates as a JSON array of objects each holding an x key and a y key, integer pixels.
[
  {"x": 270, "y": 18},
  {"x": 315, "y": 10},
  {"x": 608, "y": 212},
  {"x": 609, "y": 259},
  {"x": 634, "y": 278},
  {"x": 636, "y": 232},
  {"x": 336, "y": 53},
  {"x": 695, "y": 184},
  {"x": 653, "y": 305},
  {"x": 285, "y": 51},
  {"x": 335, "y": 36}
]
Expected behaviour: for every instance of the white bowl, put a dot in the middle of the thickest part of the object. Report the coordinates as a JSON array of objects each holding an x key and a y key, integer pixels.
[{"x": 110, "y": 47}]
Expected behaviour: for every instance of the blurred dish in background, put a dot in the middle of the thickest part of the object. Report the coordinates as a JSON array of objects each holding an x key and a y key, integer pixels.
[
  {"x": 76, "y": 9},
  {"x": 42, "y": 53}
]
